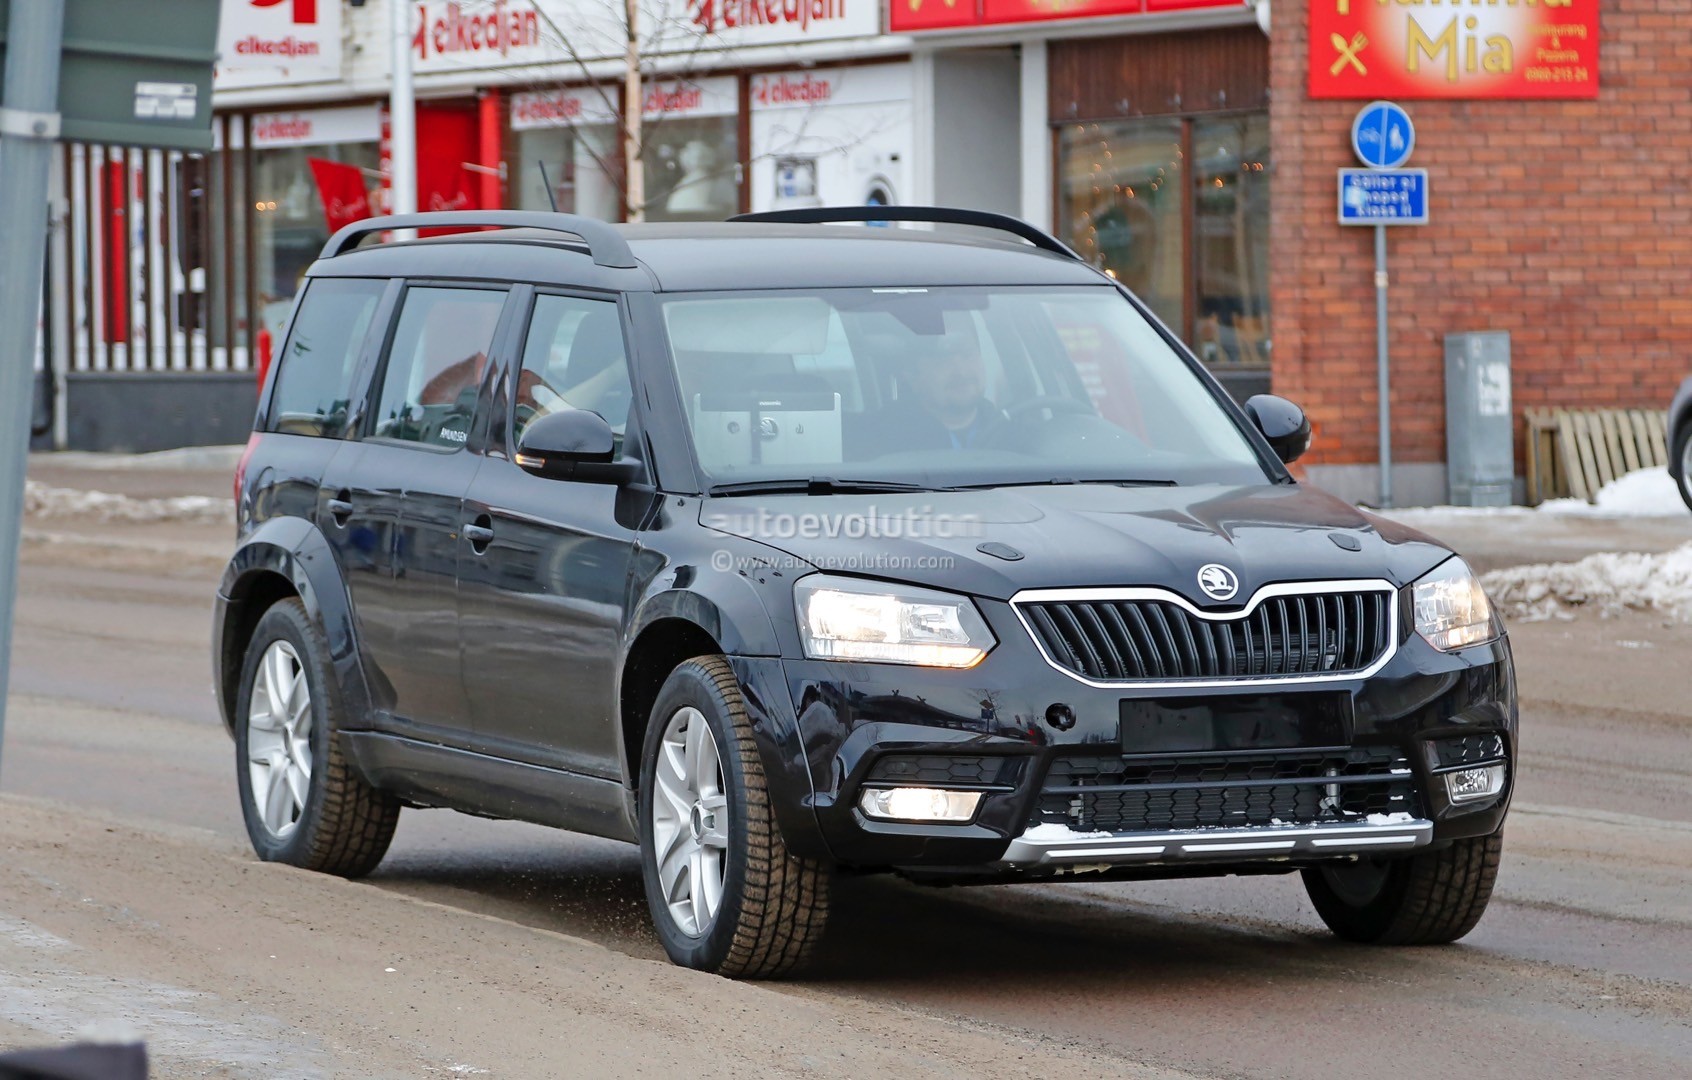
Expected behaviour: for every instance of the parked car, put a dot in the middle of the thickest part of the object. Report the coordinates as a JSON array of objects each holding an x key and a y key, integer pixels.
[
  {"x": 1680, "y": 440},
  {"x": 784, "y": 548}
]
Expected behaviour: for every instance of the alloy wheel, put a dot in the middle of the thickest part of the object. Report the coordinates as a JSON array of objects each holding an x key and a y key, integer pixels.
[
  {"x": 690, "y": 822},
  {"x": 279, "y": 739}
]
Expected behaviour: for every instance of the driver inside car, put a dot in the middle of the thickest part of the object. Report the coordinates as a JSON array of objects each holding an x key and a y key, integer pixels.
[{"x": 943, "y": 406}]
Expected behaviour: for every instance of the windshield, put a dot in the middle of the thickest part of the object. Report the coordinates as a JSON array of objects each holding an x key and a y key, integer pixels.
[{"x": 944, "y": 387}]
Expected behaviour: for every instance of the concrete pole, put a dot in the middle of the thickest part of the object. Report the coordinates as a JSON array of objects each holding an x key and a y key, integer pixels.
[
  {"x": 29, "y": 126},
  {"x": 402, "y": 116}
]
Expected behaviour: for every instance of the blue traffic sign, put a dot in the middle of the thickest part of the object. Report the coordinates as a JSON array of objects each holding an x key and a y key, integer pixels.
[
  {"x": 1382, "y": 136},
  {"x": 1383, "y": 196}
]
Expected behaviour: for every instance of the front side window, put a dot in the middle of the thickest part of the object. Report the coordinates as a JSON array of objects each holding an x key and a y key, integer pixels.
[
  {"x": 573, "y": 358},
  {"x": 316, "y": 370},
  {"x": 435, "y": 365},
  {"x": 945, "y": 387}
]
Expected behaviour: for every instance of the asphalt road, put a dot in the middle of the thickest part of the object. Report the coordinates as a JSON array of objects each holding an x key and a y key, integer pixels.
[{"x": 126, "y": 890}]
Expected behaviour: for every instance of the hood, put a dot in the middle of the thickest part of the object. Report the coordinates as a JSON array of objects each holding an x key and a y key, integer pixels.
[{"x": 1081, "y": 535}]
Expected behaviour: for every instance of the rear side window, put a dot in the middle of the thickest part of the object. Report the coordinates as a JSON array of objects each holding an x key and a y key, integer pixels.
[
  {"x": 314, "y": 381},
  {"x": 435, "y": 366}
]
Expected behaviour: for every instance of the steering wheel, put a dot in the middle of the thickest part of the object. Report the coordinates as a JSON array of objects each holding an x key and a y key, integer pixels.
[{"x": 1055, "y": 402}]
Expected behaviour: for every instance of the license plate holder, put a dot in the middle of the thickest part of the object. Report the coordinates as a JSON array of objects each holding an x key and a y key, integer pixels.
[{"x": 1202, "y": 724}]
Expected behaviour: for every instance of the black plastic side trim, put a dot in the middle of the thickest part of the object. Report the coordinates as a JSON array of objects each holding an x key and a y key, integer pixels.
[{"x": 436, "y": 775}]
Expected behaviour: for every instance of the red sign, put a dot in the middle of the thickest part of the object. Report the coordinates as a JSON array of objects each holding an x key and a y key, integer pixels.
[
  {"x": 905, "y": 16},
  {"x": 305, "y": 11},
  {"x": 1498, "y": 49},
  {"x": 341, "y": 187}
]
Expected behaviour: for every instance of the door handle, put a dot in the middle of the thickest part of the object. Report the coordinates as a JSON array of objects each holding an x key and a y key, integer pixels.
[
  {"x": 480, "y": 533},
  {"x": 340, "y": 508}
]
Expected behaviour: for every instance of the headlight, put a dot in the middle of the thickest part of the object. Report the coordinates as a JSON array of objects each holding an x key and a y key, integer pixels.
[
  {"x": 844, "y": 619},
  {"x": 1452, "y": 611}
]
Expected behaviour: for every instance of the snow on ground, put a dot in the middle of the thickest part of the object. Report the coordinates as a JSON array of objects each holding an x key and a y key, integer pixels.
[
  {"x": 1642, "y": 493},
  {"x": 41, "y": 500},
  {"x": 1606, "y": 582}
]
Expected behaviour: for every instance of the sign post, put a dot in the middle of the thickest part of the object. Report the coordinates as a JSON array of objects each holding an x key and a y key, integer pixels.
[
  {"x": 29, "y": 126},
  {"x": 1383, "y": 194},
  {"x": 132, "y": 74}
]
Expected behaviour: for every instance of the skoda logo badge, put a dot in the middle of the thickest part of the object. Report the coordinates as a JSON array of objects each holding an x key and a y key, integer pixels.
[{"x": 1218, "y": 582}]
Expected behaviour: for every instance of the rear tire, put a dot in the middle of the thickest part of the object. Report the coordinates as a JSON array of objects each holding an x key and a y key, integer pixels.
[
  {"x": 726, "y": 895},
  {"x": 1428, "y": 899},
  {"x": 302, "y": 801}
]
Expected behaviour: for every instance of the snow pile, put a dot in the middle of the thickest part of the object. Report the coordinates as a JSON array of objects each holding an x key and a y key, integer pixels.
[
  {"x": 1606, "y": 582},
  {"x": 1641, "y": 493},
  {"x": 41, "y": 500}
]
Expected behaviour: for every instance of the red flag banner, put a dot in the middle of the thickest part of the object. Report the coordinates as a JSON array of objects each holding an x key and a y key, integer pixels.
[
  {"x": 1406, "y": 49},
  {"x": 341, "y": 187}
]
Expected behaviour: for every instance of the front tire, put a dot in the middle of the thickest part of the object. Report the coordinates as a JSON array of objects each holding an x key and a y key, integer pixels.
[
  {"x": 1428, "y": 899},
  {"x": 302, "y": 801},
  {"x": 726, "y": 895},
  {"x": 1682, "y": 453}
]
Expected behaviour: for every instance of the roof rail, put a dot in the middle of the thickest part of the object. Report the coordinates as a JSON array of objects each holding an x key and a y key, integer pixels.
[
  {"x": 940, "y": 215},
  {"x": 604, "y": 243}
]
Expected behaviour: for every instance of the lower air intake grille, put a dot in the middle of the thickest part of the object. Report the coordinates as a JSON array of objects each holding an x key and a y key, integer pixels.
[
  {"x": 1134, "y": 794},
  {"x": 1137, "y": 640}
]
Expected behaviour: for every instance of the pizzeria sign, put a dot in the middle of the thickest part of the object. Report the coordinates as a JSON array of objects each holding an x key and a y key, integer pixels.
[{"x": 1453, "y": 49}]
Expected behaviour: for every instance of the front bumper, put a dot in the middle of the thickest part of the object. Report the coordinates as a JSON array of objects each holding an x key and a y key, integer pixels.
[
  {"x": 1013, "y": 720},
  {"x": 1040, "y": 847}
]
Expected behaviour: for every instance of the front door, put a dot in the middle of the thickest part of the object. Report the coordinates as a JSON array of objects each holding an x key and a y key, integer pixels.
[
  {"x": 542, "y": 595},
  {"x": 405, "y": 485}
]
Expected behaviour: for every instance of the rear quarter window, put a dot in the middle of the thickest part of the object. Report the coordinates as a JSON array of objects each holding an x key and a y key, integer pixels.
[{"x": 314, "y": 381}]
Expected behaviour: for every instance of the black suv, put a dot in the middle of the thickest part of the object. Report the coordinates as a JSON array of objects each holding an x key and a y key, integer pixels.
[{"x": 784, "y": 548}]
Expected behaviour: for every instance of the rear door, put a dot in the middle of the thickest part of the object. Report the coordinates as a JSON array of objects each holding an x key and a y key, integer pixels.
[
  {"x": 394, "y": 502},
  {"x": 543, "y": 596},
  {"x": 334, "y": 334}
]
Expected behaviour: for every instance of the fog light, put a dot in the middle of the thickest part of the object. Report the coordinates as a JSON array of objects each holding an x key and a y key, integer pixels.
[
  {"x": 1467, "y": 785},
  {"x": 919, "y": 804}
]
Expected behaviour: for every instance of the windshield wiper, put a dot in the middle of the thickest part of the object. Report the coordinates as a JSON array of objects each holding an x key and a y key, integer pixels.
[
  {"x": 818, "y": 485},
  {"x": 1063, "y": 481}
]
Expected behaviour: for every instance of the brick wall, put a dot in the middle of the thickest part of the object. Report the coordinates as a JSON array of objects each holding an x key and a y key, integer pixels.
[{"x": 1567, "y": 223}]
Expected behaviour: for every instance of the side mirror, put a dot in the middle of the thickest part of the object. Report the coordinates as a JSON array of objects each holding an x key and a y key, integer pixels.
[
  {"x": 1282, "y": 423},
  {"x": 574, "y": 444}
]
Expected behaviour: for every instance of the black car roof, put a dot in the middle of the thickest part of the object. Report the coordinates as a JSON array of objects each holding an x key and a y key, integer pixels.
[{"x": 690, "y": 257}]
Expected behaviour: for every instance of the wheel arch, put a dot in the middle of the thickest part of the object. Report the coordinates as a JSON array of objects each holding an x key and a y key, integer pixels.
[
  {"x": 282, "y": 559},
  {"x": 661, "y": 646}
]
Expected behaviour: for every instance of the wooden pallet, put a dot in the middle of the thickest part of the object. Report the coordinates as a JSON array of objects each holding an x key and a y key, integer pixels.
[{"x": 1577, "y": 451}]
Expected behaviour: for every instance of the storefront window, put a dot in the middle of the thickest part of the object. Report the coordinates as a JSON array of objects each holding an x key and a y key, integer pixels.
[
  {"x": 1231, "y": 239},
  {"x": 1121, "y": 206},
  {"x": 692, "y": 168},
  {"x": 291, "y": 223},
  {"x": 1177, "y": 209},
  {"x": 580, "y": 162}
]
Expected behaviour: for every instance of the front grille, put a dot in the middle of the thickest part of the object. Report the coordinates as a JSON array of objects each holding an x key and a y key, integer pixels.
[
  {"x": 1198, "y": 791},
  {"x": 1129, "y": 640}
]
